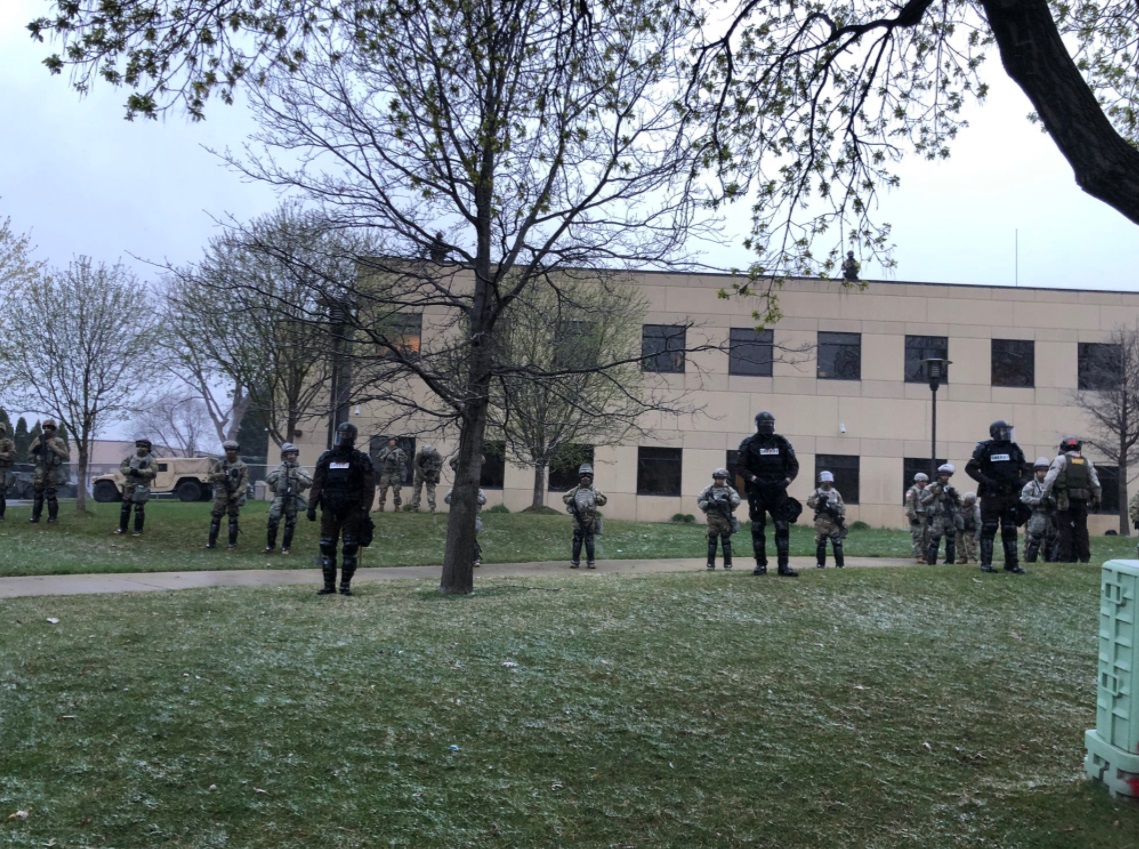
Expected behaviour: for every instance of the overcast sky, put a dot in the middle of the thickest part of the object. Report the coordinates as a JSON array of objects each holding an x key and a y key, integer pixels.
[{"x": 1003, "y": 209}]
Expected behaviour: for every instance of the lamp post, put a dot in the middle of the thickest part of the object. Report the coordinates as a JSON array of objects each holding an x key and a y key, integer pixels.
[
  {"x": 340, "y": 376},
  {"x": 935, "y": 368}
]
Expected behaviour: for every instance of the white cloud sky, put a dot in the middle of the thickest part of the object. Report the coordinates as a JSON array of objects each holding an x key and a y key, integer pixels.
[{"x": 83, "y": 180}]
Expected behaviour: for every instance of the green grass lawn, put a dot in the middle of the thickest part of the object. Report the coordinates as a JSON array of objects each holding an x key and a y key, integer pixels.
[
  {"x": 176, "y": 534},
  {"x": 882, "y": 708}
]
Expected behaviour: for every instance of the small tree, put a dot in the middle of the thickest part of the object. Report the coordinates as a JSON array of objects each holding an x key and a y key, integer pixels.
[
  {"x": 177, "y": 423},
  {"x": 23, "y": 440},
  {"x": 1109, "y": 397},
  {"x": 75, "y": 346}
]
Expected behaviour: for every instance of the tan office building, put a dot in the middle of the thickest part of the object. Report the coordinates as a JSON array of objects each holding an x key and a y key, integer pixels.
[{"x": 854, "y": 399}]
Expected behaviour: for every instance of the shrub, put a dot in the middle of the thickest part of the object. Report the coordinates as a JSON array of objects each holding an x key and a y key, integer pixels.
[
  {"x": 497, "y": 508},
  {"x": 540, "y": 510},
  {"x": 683, "y": 518},
  {"x": 860, "y": 526}
]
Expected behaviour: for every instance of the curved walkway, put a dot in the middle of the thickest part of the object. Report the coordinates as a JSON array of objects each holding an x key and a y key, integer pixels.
[{"x": 43, "y": 585}]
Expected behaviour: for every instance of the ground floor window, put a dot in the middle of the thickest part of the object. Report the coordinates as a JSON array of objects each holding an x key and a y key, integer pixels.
[
  {"x": 844, "y": 467},
  {"x": 658, "y": 471}
]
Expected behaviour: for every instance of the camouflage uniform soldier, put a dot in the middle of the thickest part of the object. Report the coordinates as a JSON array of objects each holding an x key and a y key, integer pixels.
[
  {"x": 428, "y": 466},
  {"x": 139, "y": 469},
  {"x": 287, "y": 482},
  {"x": 969, "y": 528},
  {"x": 582, "y": 501},
  {"x": 391, "y": 462},
  {"x": 1133, "y": 511},
  {"x": 1041, "y": 523},
  {"x": 343, "y": 486},
  {"x": 719, "y": 501},
  {"x": 230, "y": 478},
  {"x": 50, "y": 454},
  {"x": 830, "y": 521},
  {"x": 480, "y": 501},
  {"x": 915, "y": 512},
  {"x": 7, "y": 457},
  {"x": 942, "y": 504}
]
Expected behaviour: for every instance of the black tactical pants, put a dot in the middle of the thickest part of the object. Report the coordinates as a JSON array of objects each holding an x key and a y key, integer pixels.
[
  {"x": 1074, "y": 543},
  {"x": 760, "y": 503},
  {"x": 999, "y": 510},
  {"x": 345, "y": 524}
]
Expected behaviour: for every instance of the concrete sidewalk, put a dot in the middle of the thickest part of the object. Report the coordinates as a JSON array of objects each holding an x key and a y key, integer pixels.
[{"x": 157, "y": 581}]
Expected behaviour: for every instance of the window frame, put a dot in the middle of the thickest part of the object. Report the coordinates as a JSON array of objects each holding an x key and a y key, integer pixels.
[
  {"x": 926, "y": 351},
  {"x": 568, "y": 469},
  {"x": 994, "y": 344},
  {"x": 764, "y": 341},
  {"x": 667, "y": 354},
  {"x": 657, "y": 458},
  {"x": 840, "y": 348},
  {"x": 493, "y": 472},
  {"x": 847, "y": 475}
]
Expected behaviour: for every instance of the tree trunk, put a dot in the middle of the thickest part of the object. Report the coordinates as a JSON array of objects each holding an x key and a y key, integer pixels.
[
  {"x": 81, "y": 476},
  {"x": 1106, "y": 165},
  {"x": 539, "y": 499},
  {"x": 458, "y": 557},
  {"x": 1124, "y": 517}
]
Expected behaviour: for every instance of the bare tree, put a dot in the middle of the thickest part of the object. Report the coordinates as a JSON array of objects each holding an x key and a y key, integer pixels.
[
  {"x": 1108, "y": 394},
  {"x": 75, "y": 347},
  {"x": 177, "y": 423},
  {"x": 247, "y": 318}
]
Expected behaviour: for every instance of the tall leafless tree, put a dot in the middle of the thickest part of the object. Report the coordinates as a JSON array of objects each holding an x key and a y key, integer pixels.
[
  {"x": 1109, "y": 398},
  {"x": 76, "y": 348},
  {"x": 177, "y": 423}
]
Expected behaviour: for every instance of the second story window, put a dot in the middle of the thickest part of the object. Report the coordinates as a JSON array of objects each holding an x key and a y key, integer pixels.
[
  {"x": 840, "y": 356},
  {"x": 1013, "y": 362},
  {"x": 750, "y": 351},
  {"x": 662, "y": 347},
  {"x": 920, "y": 348}
]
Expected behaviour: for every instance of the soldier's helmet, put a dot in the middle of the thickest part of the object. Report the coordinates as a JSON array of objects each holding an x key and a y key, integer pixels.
[
  {"x": 1071, "y": 443},
  {"x": 969, "y": 496},
  {"x": 720, "y": 473},
  {"x": 1001, "y": 431},
  {"x": 231, "y": 445},
  {"x": 49, "y": 424},
  {"x": 946, "y": 469},
  {"x": 826, "y": 476},
  {"x": 1041, "y": 463},
  {"x": 289, "y": 448},
  {"x": 921, "y": 477},
  {"x": 346, "y": 434},
  {"x": 143, "y": 443},
  {"x": 764, "y": 423},
  {"x": 585, "y": 469}
]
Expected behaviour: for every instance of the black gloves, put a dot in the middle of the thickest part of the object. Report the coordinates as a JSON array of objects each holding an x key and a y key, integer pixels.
[{"x": 311, "y": 514}]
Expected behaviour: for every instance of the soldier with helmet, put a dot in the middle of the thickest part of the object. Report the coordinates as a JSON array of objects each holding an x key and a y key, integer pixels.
[
  {"x": 1073, "y": 482},
  {"x": 942, "y": 504},
  {"x": 7, "y": 458},
  {"x": 1043, "y": 506},
  {"x": 582, "y": 502},
  {"x": 287, "y": 482},
  {"x": 969, "y": 528},
  {"x": 391, "y": 462},
  {"x": 830, "y": 520},
  {"x": 428, "y": 466},
  {"x": 230, "y": 477},
  {"x": 718, "y": 501},
  {"x": 343, "y": 485},
  {"x": 767, "y": 462},
  {"x": 49, "y": 455},
  {"x": 138, "y": 470},
  {"x": 915, "y": 512},
  {"x": 998, "y": 465}
]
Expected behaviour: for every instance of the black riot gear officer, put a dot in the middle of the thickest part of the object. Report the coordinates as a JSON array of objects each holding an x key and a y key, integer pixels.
[
  {"x": 998, "y": 466},
  {"x": 344, "y": 484},
  {"x": 767, "y": 463}
]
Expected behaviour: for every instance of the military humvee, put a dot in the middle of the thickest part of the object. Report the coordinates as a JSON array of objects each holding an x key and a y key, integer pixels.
[{"x": 182, "y": 477}]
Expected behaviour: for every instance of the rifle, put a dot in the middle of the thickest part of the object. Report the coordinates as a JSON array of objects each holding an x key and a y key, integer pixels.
[
  {"x": 825, "y": 505},
  {"x": 724, "y": 508},
  {"x": 232, "y": 479}
]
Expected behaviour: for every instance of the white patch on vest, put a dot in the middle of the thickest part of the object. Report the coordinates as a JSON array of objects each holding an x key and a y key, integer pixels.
[
  {"x": 766, "y": 451},
  {"x": 999, "y": 458},
  {"x": 339, "y": 465}
]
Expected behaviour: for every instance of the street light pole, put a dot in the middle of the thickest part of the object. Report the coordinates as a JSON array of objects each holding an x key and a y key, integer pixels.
[{"x": 935, "y": 368}]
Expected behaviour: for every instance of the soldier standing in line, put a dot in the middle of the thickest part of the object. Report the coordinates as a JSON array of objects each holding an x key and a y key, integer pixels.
[
  {"x": 343, "y": 485},
  {"x": 1041, "y": 522},
  {"x": 7, "y": 458},
  {"x": 719, "y": 501},
  {"x": 942, "y": 504},
  {"x": 915, "y": 512},
  {"x": 1073, "y": 482},
  {"x": 138, "y": 469},
  {"x": 428, "y": 466},
  {"x": 582, "y": 502},
  {"x": 830, "y": 520},
  {"x": 767, "y": 462},
  {"x": 391, "y": 462},
  {"x": 49, "y": 455},
  {"x": 230, "y": 478},
  {"x": 970, "y": 528},
  {"x": 287, "y": 482},
  {"x": 997, "y": 465}
]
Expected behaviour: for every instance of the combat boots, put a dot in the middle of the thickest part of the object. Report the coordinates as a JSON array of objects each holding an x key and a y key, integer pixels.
[
  {"x": 839, "y": 556},
  {"x": 821, "y": 555},
  {"x": 987, "y": 555},
  {"x": 727, "y": 554},
  {"x": 232, "y": 532},
  {"x": 950, "y": 550},
  {"x": 52, "y": 511},
  {"x": 328, "y": 572},
  {"x": 271, "y": 539},
  {"x": 124, "y": 517},
  {"x": 37, "y": 507},
  {"x": 1011, "y": 564},
  {"x": 711, "y": 554},
  {"x": 215, "y": 528},
  {"x": 139, "y": 519},
  {"x": 287, "y": 542}
]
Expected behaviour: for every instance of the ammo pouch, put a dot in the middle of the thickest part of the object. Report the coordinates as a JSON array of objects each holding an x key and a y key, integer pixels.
[
  {"x": 141, "y": 493},
  {"x": 598, "y": 525},
  {"x": 735, "y": 525}
]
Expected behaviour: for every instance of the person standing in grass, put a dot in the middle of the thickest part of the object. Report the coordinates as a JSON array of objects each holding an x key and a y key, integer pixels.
[
  {"x": 343, "y": 485},
  {"x": 719, "y": 501},
  {"x": 479, "y": 502},
  {"x": 7, "y": 457},
  {"x": 582, "y": 502},
  {"x": 830, "y": 520},
  {"x": 230, "y": 477},
  {"x": 969, "y": 528},
  {"x": 915, "y": 512},
  {"x": 138, "y": 469},
  {"x": 942, "y": 503},
  {"x": 287, "y": 482},
  {"x": 49, "y": 453}
]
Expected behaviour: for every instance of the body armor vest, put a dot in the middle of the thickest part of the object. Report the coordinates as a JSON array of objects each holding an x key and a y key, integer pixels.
[
  {"x": 767, "y": 458},
  {"x": 342, "y": 481},
  {"x": 1076, "y": 480},
  {"x": 1002, "y": 461}
]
